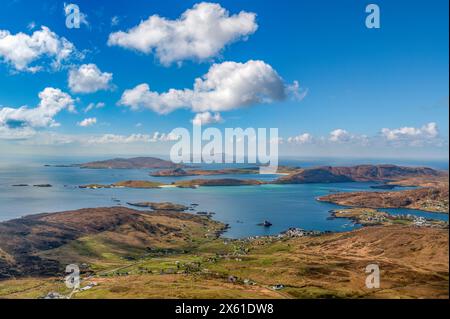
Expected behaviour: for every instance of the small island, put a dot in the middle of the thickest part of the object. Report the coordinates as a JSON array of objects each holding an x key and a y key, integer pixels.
[
  {"x": 180, "y": 184},
  {"x": 166, "y": 206},
  {"x": 217, "y": 182},
  {"x": 125, "y": 184},
  {"x": 204, "y": 172},
  {"x": 179, "y": 172},
  {"x": 125, "y": 163}
]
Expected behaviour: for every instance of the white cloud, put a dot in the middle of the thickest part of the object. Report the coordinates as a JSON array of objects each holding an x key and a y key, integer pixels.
[
  {"x": 88, "y": 122},
  {"x": 21, "y": 50},
  {"x": 89, "y": 79},
  {"x": 118, "y": 139},
  {"x": 428, "y": 133},
  {"x": 226, "y": 86},
  {"x": 429, "y": 130},
  {"x": 206, "y": 118},
  {"x": 301, "y": 139},
  {"x": 130, "y": 139},
  {"x": 92, "y": 106},
  {"x": 340, "y": 136},
  {"x": 50, "y": 138},
  {"x": 57, "y": 139},
  {"x": 22, "y": 121},
  {"x": 7, "y": 133},
  {"x": 164, "y": 137},
  {"x": 199, "y": 34}
]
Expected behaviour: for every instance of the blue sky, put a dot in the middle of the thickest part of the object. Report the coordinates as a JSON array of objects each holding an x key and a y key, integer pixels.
[{"x": 355, "y": 81}]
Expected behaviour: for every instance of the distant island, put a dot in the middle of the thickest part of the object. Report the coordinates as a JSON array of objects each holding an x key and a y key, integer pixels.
[
  {"x": 180, "y": 184},
  {"x": 431, "y": 193},
  {"x": 179, "y": 172},
  {"x": 125, "y": 184},
  {"x": 161, "y": 206},
  {"x": 131, "y": 163},
  {"x": 126, "y": 163},
  {"x": 217, "y": 182}
]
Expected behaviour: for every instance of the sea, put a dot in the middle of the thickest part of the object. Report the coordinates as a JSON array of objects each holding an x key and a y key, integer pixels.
[{"x": 244, "y": 208}]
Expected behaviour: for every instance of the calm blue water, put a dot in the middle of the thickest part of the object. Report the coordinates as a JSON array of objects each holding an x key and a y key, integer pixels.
[{"x": 241, "y": 207}]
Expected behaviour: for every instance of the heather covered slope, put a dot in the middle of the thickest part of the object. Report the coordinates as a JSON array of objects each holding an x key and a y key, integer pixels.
[
  {"x": 427, "y": 199},
  {"x": 33, "y": 245},
  {"x": 134, "y": 254}
]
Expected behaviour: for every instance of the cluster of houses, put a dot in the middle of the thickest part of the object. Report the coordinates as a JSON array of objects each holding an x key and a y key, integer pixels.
[
  {"x": 420, "y": 221},
  {"x": 298, "y": 232}
]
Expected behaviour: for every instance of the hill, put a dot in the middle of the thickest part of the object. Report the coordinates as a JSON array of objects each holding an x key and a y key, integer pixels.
[
  {"x": 32, "y": 246},
  {"x": 131, "y": 163},
  {"x": 360, "y": 173}
]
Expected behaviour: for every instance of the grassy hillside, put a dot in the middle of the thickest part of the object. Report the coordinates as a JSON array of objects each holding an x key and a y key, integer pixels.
[{"x": 177, "y": 255}]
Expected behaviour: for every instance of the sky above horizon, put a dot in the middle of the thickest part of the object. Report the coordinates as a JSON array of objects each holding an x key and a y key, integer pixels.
[{"x": 135, "y": 70}]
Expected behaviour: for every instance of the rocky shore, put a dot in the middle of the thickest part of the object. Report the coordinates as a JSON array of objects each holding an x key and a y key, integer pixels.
[{"x": 427, "y": 199}]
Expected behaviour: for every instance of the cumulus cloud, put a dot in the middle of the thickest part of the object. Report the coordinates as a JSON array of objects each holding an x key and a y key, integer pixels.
[
  {"x": 199, "y": 34},
  {"x": 340, "y": 135},
  {"x": 226, "y": 86},
  {"x": 89, "y": 79},
  {"x": 301, "y": 139},
  {"x": 429, "y": 130},
  {"x": 21, "y": 51},
  {"x": 206, "y": 118},
  {"x": 88, "y": 122},
  {"x": 343, "y": 136},
  {"x": 428, "y": 133},
  {"x": 22, "y": 121}
]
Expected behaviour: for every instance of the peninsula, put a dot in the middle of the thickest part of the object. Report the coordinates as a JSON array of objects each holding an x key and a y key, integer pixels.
[{"x": 427, "y": 199}]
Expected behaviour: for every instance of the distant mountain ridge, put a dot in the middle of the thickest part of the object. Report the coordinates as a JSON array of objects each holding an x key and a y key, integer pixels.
[
  {"x": 131, "y": 163},
  {"x": 359, "y": 173}
]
